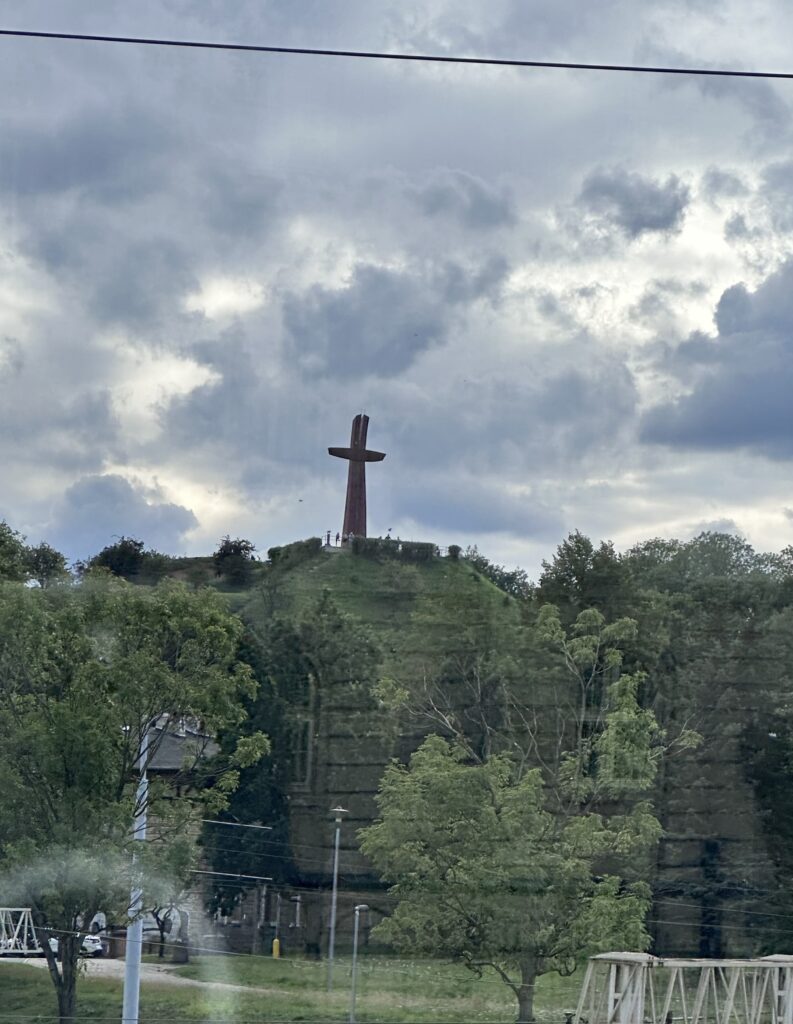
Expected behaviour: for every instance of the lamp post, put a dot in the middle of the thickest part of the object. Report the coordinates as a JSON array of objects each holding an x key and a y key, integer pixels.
[
  {"x": 359, "y": 907},
  {"x": 134, "y": 944},
  {"x": 337, "y": 812}
]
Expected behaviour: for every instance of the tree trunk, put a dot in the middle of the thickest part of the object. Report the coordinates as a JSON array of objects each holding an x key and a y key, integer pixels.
[
  {"x": 525, "y": 993},
  {"x": 52, "y": 960},
  {"x": 68, "y": 949}
]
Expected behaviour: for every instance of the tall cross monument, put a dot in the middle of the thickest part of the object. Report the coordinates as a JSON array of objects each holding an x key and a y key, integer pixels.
[{"x": 357, "y": 455}]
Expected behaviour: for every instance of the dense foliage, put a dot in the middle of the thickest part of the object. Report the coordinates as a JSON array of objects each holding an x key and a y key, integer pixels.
[
  {"x": 234, "y": 560},
  {"x": 129, "y": 559},
  {"x": 508, "y": 851},
  {"x": 620, "y": 690},
  {"x": 20, "y": 562},
  {"x": 92, "y": 677}
]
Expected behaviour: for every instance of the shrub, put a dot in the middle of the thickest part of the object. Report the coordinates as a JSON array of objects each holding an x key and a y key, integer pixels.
[
  {"x": 233, "y": 559},
  {"x": 295, "y": 553}
]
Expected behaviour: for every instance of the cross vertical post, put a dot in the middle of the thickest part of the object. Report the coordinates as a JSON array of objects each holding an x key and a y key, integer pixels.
[{"x": 357, "y": 455}]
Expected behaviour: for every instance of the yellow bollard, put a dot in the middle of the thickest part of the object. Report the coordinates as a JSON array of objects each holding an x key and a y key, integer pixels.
[{"x": 276, "y": 948}]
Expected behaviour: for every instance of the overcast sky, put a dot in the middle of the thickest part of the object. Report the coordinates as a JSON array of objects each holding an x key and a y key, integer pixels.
[{"x": 565, "y": 299}]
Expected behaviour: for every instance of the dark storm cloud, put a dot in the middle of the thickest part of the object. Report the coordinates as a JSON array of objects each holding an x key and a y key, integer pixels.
[
  {"x": 97, "y": 509},
  {"x": 240, "y": 202},
  {"x": 741, "y": 380},
  {"x": 737, "y": 229},
  {"x": 759, "y": 99},
  {"x": 531, "y": 418},
  {"x": 231, "y": 406},
  {"x": 475, "y": 506},
  {"x": 500, "y": 26},
  {"x": 142, "y": 281},
  {"x": 132, "y": 176},
  {"x": 112, "y": 152},
  {"x": 661, "y": 297},
  {"x": 769, "y": 113},
  {"x": 546, "y": 413},
  {"x": 12, "y": 357},
  {"x": 383, "y": 319},
  {"x": 633, "y": 203},
  {"x": 718, "y": 183},
  {"x": 475, "y": 203},
  {"x": 777, "y": 192},
  {"x": 55, "y": 428}
]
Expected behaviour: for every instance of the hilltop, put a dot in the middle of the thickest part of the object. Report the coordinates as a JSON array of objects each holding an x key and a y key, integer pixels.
[
  {"x": 403, "y": 600},
  {"x": 404, "y": 603}
]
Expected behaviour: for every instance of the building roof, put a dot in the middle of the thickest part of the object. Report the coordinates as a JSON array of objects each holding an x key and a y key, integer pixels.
[{"x": 179, "y": 748}]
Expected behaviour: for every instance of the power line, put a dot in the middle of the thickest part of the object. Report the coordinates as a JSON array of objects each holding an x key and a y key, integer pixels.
[
  {"x": 413, "y": 57},
  {"x": 235, "y": 824}
]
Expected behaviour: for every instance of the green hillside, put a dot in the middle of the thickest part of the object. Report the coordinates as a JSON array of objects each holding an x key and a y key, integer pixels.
[{"x": 407, "y": 606}]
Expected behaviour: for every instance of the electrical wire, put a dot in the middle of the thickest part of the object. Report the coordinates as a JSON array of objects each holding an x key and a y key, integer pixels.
[{"x": 411, "y": 57}]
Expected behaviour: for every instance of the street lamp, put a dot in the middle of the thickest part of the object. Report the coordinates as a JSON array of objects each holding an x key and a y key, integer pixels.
[
  {"x": 337, "y": 813},
  {"x": 134, "y": 944},
  {"x": 359, "y": 907}
]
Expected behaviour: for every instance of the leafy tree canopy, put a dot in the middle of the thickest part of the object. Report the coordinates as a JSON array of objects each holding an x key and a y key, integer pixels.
[
  {"x": 233, "y": 559},
  {"x": 90, "y": 679},
  {"x": 46, "y": 565},
  {"x": 13, "y": 554},
  {"x": 499, "y": 864},
  {"x": 129, "y": 559}
]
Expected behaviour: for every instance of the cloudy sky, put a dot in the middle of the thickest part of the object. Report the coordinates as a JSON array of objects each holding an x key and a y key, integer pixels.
[{"x": 564, "y": 298}]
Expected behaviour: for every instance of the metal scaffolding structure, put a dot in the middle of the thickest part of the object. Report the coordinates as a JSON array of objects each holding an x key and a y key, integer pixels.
[
  {"x": 637, "y": 988},
  {"x": 17, "y": 934}
]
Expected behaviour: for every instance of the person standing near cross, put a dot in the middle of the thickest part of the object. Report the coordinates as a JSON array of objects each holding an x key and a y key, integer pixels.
[{"x": 357, "y": 455}]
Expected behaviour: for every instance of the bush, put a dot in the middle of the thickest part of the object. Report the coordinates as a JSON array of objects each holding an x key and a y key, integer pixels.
[
  {"x": 382, "y": 548},
  {"x": 417, "y": 551},
  {"x": 455, "y": 551},
  {"x": 296, "y": 553},
  {"x": 128, "y": 559},
  {"x": 376, "y": 548},
  {"x": 233, "y": 559},
  {"x": 514, "y": 582}
]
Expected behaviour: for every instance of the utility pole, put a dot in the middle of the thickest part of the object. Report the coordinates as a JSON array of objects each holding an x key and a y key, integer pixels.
[
  {"x": 134, "y": 944},
  {"x": 337, "y": 812},
  {"x": 358, "y": 909},
  {"x": 258, "y": 918}
]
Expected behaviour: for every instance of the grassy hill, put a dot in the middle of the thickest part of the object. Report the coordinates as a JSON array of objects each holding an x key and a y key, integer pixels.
[{"x": 408, "y": 606}]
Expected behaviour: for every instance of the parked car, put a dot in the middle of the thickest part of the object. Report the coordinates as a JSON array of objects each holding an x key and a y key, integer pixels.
[{"x": 90, "y": 946}]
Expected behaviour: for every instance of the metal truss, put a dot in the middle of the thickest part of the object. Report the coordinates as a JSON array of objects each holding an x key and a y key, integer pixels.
[
  {"x": 17, "y": 934},
  {"x": 637, "y": 988}
]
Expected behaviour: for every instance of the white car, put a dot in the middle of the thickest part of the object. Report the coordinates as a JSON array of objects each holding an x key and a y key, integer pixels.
[{"x": 90, "y": 946}]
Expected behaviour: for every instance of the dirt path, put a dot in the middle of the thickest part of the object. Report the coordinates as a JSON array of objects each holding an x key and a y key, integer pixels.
[{"x": 156, "y": 973}]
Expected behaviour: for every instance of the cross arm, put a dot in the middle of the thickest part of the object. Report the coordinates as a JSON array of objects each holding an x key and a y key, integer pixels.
[{"x": 357, "y": 454}]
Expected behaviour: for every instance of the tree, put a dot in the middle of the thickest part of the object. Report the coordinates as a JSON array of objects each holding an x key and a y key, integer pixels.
[
  {"x": 519, "y": 868},
  {"x": 170, "y": 899},
  {"x": 314, "y": 671},
  {"x": 46, "y": 565},
  {"x": 91, "y": 679},
  {"x": 514, "y": 582},
  {"x": 582, "y": 576},
  {"x": 13, "y": 554},
  {"x": 124, "y": 558},
  {"x": 234, "y": 560},
  {"x": 130, "y": 560}
]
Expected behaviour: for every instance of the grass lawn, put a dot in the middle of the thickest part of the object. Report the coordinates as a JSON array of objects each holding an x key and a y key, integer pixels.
[{"x": 390, "y": 990}]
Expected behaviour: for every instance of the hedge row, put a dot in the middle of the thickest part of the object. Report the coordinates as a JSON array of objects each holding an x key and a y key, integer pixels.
[
  {"x": 295, "y": 553},
  {"x": 379, "y": 548}
]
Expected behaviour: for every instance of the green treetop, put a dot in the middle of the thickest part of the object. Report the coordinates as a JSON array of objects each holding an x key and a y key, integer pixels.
[
  {"x": 90, "y": 679},
  {"x": 517, "y": 861}
]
